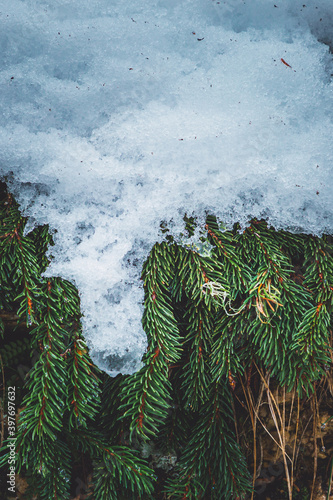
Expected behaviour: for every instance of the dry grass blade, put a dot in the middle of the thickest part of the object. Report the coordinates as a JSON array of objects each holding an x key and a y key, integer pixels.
[
  {"x": 276, "y": 415},
  {"x": 293, "y": 464},
  {"x": 281, "y": 435},
  {"x": 253, "y": 411}
]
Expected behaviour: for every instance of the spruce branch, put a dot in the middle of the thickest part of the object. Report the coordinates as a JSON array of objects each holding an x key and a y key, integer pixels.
[
  {"x": 83, "y": 389},
  {"x": 212, "y": 464},
  {"x": 116, "y": 468},
  {"x": 145, "y": 394}
]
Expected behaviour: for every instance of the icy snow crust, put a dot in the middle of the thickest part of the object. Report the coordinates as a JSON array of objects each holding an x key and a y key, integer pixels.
[{"x": 116, "y": 115}]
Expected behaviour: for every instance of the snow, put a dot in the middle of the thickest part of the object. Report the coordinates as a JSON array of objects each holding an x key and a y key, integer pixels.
[{"x": 117, "y": 115}]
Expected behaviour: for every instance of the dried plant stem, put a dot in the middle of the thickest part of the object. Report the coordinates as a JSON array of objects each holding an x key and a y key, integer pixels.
[
  {"x": 281, "y": 439},
  {"x": 235, "y": 419},
  {"x": 292, "y": 406},
  {"x": 281, "y": 433},
  {"x": 253, "y": 412},
  {"x": 250, "y": 407},
  {"x": 293, "y": 463},
  {"x": 300, "y": 441}
]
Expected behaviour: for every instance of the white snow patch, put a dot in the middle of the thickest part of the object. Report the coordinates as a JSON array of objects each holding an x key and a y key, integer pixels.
[{"x": 116, "y": 115}]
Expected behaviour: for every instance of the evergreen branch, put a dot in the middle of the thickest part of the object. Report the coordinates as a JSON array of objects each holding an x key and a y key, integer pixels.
[
  {"x": 268, "y": 250},
  {"x": 318, "y": 277},
  {"x": 212, "y": 458},
  {"x": 196, "y": 371},
  {"x": 23, "y": 269},
  {"x": 228, "y": 350},
  {"x": 174, "y": 433},
  {"x": 52, "y": 481},
  {"x": 122, "y": 467},
  {"x": 236, "y": 270},
  {"x": 45, "y": 401},
  {"x": 83, "y": 389},
  {"x": 115, "y": 467},
  {"x": 184, "y": 487},
  {"x": 13, "y": 351},
  {"x": 110, "y": 420},
  {"x": 311, "y": 341},
  {"x": 144, "y": 395},
  {"x": 158, "y": 320}
]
